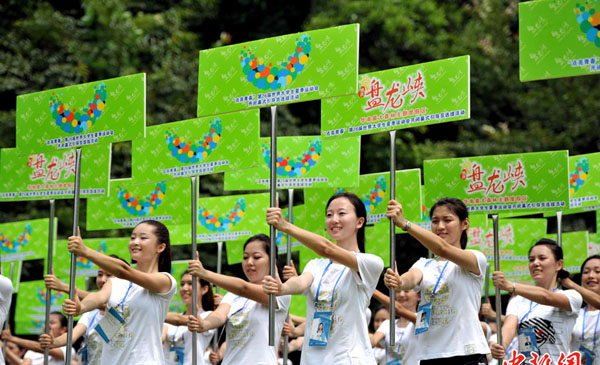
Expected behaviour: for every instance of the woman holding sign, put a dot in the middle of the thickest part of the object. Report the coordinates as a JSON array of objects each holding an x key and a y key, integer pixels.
[
  {"x": 136, "y": 300},
  {"x": 542, "y": 316},
  {"x": 447, "y": 328},
  {"x": 244, "y": 309},
  {"x": 338, "y": 287}
]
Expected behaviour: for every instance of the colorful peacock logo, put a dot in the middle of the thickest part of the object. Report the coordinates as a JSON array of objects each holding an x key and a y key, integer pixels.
[
  {"x": 580, "y": 175},
  {"x": 10, "y": 245},
  {"x": 298, "y": 167},
  {"x": 589, "y": 20},
  {"x": 36, "y": 323},
  {"x": 137, "y": 206},
  {"x": 194, "y": 152},
  {"x": 55, "y": 296},
  {"x": 84, "y": 263},
  {"x": 72, "y": 121},
  {"x": 376, "y": 195},
  {"x": 424, "y": 216},
  {"x": 214, "y": 222},
  {"x": 272, "y": 77}
]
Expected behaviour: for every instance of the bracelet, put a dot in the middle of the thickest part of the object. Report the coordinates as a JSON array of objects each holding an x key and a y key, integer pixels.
[{"x": 514, "y": 287}]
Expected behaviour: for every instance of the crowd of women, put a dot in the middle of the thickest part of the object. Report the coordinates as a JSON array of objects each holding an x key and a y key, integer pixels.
[{"x": 438, "y": 302}]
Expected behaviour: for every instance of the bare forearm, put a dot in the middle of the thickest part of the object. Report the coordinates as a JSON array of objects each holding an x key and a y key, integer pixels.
[
  {"x": 114, "y": 266},
  {"x": 26, "y": 344},
  {"x": 176, "y": 319},
  {"x": 319, "y": 244},
  {"x": 213, "y": 321},
  {"x": 428, "y": 239},
  {"x": 399, "y": 308}
]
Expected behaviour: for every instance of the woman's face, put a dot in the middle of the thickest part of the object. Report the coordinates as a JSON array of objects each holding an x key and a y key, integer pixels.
[
  {"x": 380, "y": 316},
  {"x": 408, "y": 299},
  {"x": 590, "y": 276},
  {"x": 341, "y": 220},
  {"x": 102, "y": 278},
  {"x": 55, "y": 326},
  {"x": 255, "y": 262},
  {"x": 447, "y": 225},
  {"x": 143, "y": 244},
  {"x": 321, "y": 326},
  {"x": 185, "y": 289},
  {"x": 542, "y": 264}
]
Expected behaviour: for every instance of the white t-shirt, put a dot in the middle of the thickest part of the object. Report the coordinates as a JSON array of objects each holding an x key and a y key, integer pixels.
[
  {"x": 37, "y": 358},
  {"x": 553, "y": 326},
  {"x": 379, "y": 355},
  {"x": 454, "y": 328},
  {"x": 93, "y": 341},
  {"x": 348, "y": 340},
  {"x": 5, "y": 299},
  {"x": 178, "y": 347},
  {"x": 248, "y": 330},
  {"x": 403, "y": 349},
  {"x": 139, "y": 339},
  {"x": 592, "y": 324}
]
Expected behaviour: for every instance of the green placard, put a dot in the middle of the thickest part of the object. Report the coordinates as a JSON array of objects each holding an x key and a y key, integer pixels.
[
  {"x": 31, "y": 306},
  {"x": 310, "y": 65},
  {"x": 128, "y": 204},
  {"x": 24, "y": 240},
  {"x": 197, "y": 147},
  {"x": 404, "y": 97},
  {"x": 86, "y": 268},
  {"x": 377, "y": 241},
  {"x": 584, "y": 182},
  {"x": 515, "y": 237},
  {"x": 299, "y": 218},
  {"x": 575, "y": 249},
  {"x": 527, "y": 182},
  {"x": 298, "y": 305},
  {"x": 374, "y": 191},
  {"x": 558, "y": 38},
  {"x": 51, "y": 174},
  {"x": 99, "y": 112},
  {"x": 302, "y": 162},
  {"x": 231, "y": 218},
  {"x": 593, "y": 244}
]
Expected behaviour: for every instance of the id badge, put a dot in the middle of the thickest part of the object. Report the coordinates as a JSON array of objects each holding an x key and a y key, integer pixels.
[
  {"x": 394, "y": 362},
  {"x": 588, "y": 356},
  {"x": 83, "y": 355},
  {"x": 109, "y": 325},
  {"x": 320, "y": 327},
  {"x": 176, "y": 354},
  {"x": 423, "y": 318},
  {"x": 527, "y": 341}
]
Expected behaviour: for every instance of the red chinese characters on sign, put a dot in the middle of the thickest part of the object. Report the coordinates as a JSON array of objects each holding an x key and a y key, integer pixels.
[
  {"x": 496, "y": 182},
  {"x": 574, "y": 358},
  {"x": 51, "y": 170},
  {"x": 396, "y": 96}
]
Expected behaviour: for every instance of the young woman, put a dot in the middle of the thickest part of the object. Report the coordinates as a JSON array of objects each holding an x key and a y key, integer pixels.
[
  {"x": 447, "y": 327},
  {"x": 338, "y": 287},
  {"x": 137, "y": 300},
  {"x": 91, "y": 351},
  {"x": 542, "y": 316},
  {"x": 585, "y": 337},
  {"x": 35, "y": 353},
  {"x": 178, "y": 338},
  {"x": 402, "y": 352},
  {"x": 245, "y": 308}
]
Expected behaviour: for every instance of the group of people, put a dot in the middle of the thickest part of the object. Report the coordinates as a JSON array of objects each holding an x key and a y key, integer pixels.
[{"x": 438, "y": 300}]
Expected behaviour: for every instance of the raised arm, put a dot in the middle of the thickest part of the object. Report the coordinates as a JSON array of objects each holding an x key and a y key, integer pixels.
[
  {"x": 319, "y": 244},
  {"x": 155, "y": 282},
  {"x": 294, "y": 285},
  {"x": 231, "y": 284},
  {"x": 376, "y": 337},
  {"x": 465, "y": 259},
  {"x": 92, "y": 301},
  {"x": 52, "y": 282},
  {"x": 176, "y": 319},
  {"x": 407, "y": 281},
  {"x": 534, "y": 293},
  {"x": 509, "y": 330},
  {"x": 214, "y": 320},
  {"x": 30, "y": 345},
  {"x": 588, "y": 296},
  {"x": 399, "y": 308},
  {"x": 60, "y": 341}
]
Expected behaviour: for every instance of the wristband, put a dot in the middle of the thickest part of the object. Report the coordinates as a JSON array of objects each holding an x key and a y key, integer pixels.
[{"x": 514, "y": 287}]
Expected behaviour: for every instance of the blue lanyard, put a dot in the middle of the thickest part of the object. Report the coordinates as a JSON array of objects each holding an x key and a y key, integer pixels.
[
  {"x": 583, "y": 328},
  {"x": 243, "y": 306},
  {"x": 532, "y": 307},
  {"x": 91, "y": 327},
  {"x": 122, "y": 304},
  {"x": 174, "y": 335},
  {"x": 439, "y": 278},
  {"x": 336, "y": 283}
]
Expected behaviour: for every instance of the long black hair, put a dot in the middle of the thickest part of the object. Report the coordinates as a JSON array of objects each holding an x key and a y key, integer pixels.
[
  {"x": 162, "y": 234},
  {"x": 360, "y": 211},
  {"x": 459, "y": 209}
]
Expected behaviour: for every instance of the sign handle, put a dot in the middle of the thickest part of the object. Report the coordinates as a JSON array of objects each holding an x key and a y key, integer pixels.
[
  {"x": 194, "y": 181},
  {"x": 273, "y": 232},
  {"x": 49, "y": 272},
  {"x": 497, "y": 291},
  {"x": 392, "y": 237},
  {"x": 559, "y": 215},
  {"x": 73, "y": 272}
]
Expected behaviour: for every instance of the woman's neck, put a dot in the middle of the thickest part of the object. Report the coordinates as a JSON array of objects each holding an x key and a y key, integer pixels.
[
  {"x": 549, "y": 285},
  {"x": 349, "y": 244},
  {"x": 402, "y": 322},
  {"x": 148, "y": 267}
]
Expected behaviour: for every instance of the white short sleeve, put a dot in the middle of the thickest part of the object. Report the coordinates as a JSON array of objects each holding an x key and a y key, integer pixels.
[{"x": 369, "y": 270}]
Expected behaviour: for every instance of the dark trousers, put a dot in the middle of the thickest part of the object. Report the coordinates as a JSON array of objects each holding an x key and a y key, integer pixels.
[{"x": 458, "y": 360}]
